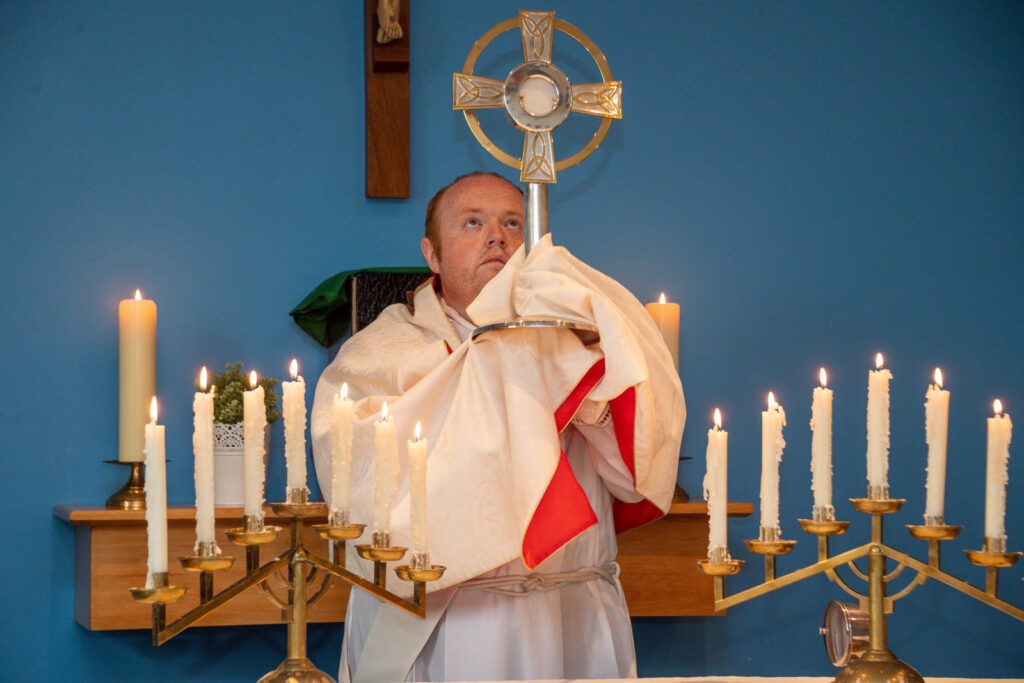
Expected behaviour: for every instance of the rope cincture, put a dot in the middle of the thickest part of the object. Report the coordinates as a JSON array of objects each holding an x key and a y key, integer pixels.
[{"x": 522, "y": 585}]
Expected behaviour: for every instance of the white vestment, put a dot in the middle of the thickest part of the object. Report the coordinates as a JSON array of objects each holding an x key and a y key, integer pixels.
[{"x": 520, "y": 478}]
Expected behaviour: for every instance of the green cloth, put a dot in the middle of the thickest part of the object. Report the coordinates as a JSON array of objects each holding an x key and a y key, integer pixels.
[{"x": 325, "y": 313}]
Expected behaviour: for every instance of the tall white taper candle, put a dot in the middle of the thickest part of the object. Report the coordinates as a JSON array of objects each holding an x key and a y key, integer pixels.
[
  {"x": 156, "y": 497},
  {"x": 418, "y": 491},
  {"x": 878, "y": 430},
  {"x": 342, "y": 420},
  {"x": 997, "y": 474},
  {"x": 772, "y": 443},
  {"x": 936, "y": 429},
  {"x": 294, "y": 411},
  {"x": 385, "y": 470},
  {"x": 202, "y": 448},
  {"x": 821, "y": 449},
  {"x": 255, "y": 414},
  {"x": 716, "y": 488}
]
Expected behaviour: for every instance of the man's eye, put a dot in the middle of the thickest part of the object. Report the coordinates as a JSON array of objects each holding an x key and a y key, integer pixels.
[
  {"x": 514, "y": 223},
  {"x": 472, "y": 223}
]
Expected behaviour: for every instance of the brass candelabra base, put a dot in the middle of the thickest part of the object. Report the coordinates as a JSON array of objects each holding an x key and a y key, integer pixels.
[
  {"x": 296, "y": 670},
  {"x": 301, "y": 567},
  {"x": 877, "y": 664},
  {"x": 878, "y": 667}
]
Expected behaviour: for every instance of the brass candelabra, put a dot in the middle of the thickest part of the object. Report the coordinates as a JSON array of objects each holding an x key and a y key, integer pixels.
[
  {"x": 302, "y": 569},
  {"x": 875, "y": 663}
]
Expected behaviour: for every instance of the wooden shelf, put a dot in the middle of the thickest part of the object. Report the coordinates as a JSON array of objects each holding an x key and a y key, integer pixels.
[{"x": 659, "y": 572}]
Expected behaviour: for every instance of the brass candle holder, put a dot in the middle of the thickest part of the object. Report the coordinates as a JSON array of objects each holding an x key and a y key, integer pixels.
[
  {"x": 302, "y": 567},
  {"x": 131, "y": 496},
  {"x": 877, "y": 663}
]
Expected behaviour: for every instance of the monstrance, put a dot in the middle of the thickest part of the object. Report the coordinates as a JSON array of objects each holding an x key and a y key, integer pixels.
[{"x": 538, "y": 97}]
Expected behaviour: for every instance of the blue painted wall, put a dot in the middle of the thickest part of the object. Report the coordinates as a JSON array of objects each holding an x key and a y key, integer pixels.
[{"x": 813, "y": 182}]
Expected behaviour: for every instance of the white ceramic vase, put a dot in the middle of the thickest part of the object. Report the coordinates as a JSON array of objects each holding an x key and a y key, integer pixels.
[{"x": 229, "y": 463}]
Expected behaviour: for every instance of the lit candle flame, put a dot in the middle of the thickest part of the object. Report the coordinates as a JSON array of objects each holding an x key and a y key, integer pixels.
[
  {"x": 152, "y": 409},
  {"x": 938, "y": 377},
  {"x": 384, "y": 410},
  {"x": 344, "y": 389},
  {"x": 823, "y": 378},
  {"x": 997, "y": 406},
  {"x": 661, "y": 299},
  {"x": 138, "y": 295},
  {"x": 202, "y": 378},
  {"x": 416, "y": 430},
  {"x": 879, "y": 361},
  {"x": 718, "y": 418},
  {"x": 771, "y": 400},
  {"x": 294, "y": 368},
  {"x": 252, "y": 380}
]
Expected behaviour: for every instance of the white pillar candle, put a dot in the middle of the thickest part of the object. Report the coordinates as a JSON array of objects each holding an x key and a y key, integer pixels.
[
  {"x": 385, "y": 470},
  {"x": 255, "y": 415},
  {"x": 418, "y": 491},
  {"x": 666, "y": 317},
  {"x": 342, "y": 421},
  {"x": 997, "y": 473},
  {"x": 821, "y": 448},
  {"x": 715, "y": 487},
  {"x": 156, "y": 497},
  {"x": 878, "y": 429},
  {"x": 202, "y": 447},
  {"x": 936, "y": 428},
  {"x": 294, "y": 412},
  {"x": 772, "y": 443},
  {"x": 136, "y": 320}
]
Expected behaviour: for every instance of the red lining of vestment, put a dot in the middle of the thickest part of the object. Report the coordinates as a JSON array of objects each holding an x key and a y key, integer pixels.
[{"x": 564, "y": 511}]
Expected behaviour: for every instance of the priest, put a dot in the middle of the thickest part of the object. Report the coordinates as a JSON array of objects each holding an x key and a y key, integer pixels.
[{"x": 541, "y": 449}]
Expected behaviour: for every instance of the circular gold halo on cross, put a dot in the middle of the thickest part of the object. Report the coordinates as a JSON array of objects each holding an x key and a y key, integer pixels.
[{"x": 595, "y": 54}]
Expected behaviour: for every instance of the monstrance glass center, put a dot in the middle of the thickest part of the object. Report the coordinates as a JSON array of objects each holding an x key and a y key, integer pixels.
[{"x": 537, "y": 96}]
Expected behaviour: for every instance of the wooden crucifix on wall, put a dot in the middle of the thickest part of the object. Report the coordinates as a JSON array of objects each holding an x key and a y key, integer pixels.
[{"x": 386, "y": 38}]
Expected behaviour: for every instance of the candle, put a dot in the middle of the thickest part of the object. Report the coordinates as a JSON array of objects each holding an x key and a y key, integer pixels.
[
  {"x": 715, "y": 489},
  {"x": 254, "y": 441},
  {"x": 294, "y": 412},
  {"x": 821, "y": 449},
  {"x": 418, "y": 492},
  {"x": 202, "y": 447},
  {"x": 136, "y": 319},
  {"x": 936, "y": 427},
  {"x": 156, "y": 497},
  {"x": 772, "y": 443},
  {"x": 996, "y": 475},
  {"x": 342, "y": 420},
  {"x": 878, "y": 430},
  {"x": 666, "y": 317},
  {"x": 385, "y": 470}
]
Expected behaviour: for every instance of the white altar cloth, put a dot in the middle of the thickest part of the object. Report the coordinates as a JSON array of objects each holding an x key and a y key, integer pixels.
[{"x": 758, "y": 679}]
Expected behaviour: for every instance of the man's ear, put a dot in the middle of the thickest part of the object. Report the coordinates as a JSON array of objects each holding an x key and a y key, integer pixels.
[{"x": 430, "y": 255}]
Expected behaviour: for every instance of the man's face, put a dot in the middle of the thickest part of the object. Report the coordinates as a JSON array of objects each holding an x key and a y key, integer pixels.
[{"x": 480, "y": 223}]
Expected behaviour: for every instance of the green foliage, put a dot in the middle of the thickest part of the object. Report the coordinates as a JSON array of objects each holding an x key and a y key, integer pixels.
[{"x": 227, "y": 402}]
